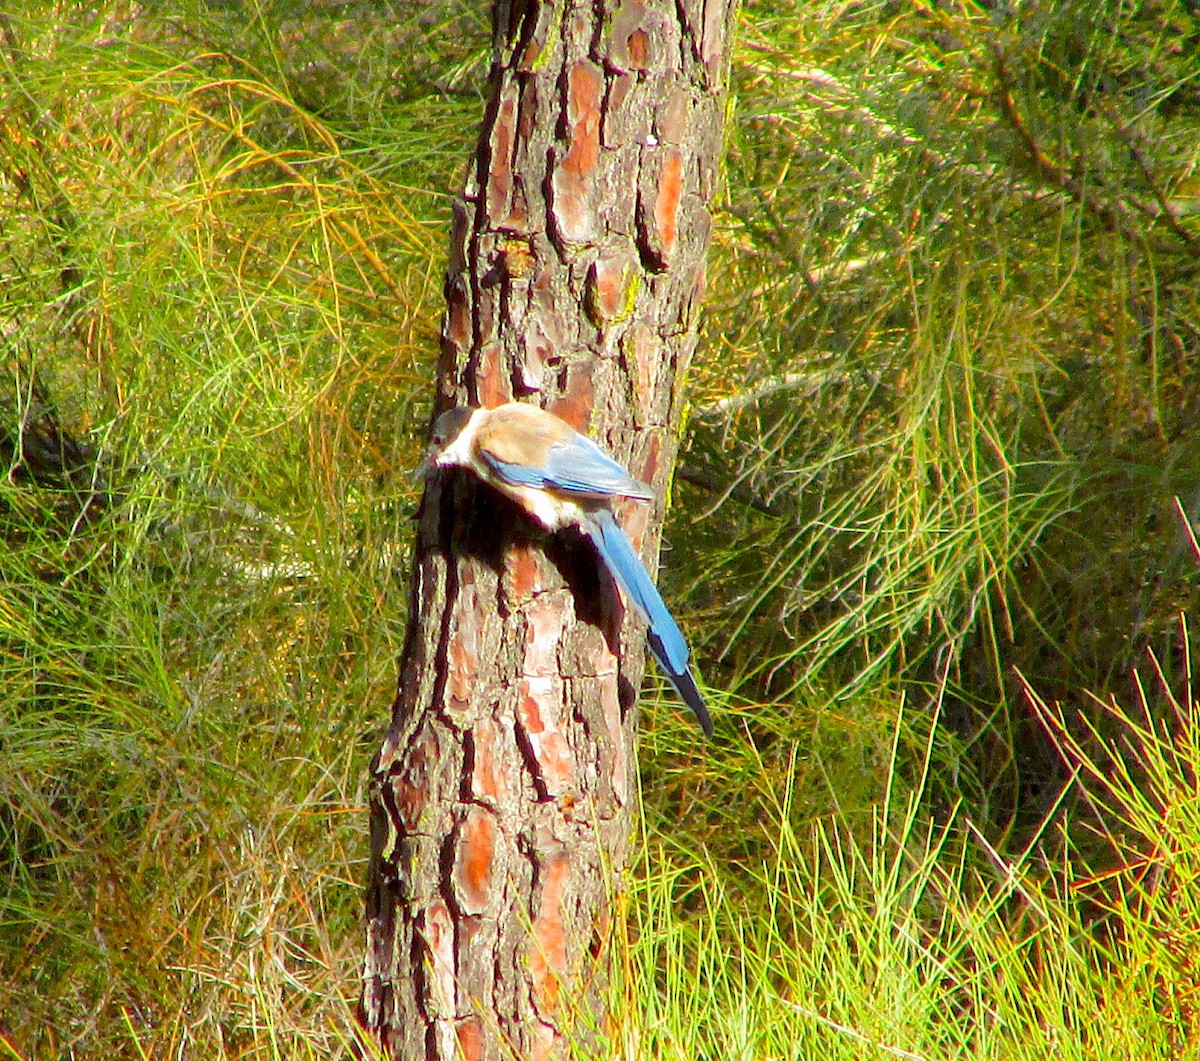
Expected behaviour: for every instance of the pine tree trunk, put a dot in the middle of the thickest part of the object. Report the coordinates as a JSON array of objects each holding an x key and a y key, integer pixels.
[{"x": 501, "y": 798}]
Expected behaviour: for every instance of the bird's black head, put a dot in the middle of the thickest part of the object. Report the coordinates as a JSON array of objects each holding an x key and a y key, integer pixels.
[{"x": 448, "y": 426}]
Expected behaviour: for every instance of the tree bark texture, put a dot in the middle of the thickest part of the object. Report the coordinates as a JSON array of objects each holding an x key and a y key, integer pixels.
[{"x": 501, "y": 798}]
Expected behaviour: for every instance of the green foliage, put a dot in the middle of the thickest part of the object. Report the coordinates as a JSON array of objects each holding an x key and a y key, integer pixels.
[
  {"x": 922, "y": 942},
  {"x": 213, "y": 306},
  {"x": 960, "y": 276},
  {"x": 943, "y": 433}
]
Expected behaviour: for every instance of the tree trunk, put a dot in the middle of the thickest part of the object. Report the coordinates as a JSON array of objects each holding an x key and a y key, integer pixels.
[{"x": 501, "y": 799}]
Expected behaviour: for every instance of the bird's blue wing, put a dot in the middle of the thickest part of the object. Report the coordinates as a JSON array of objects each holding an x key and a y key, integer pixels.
[
  {"x": 574, "y": 466},
  {"x": 663, "y": 635}
]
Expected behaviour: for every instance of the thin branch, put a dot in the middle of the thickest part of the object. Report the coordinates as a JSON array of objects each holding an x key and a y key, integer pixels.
[
  {"x": 708, "y": 482},
  {"x": 1163, "y": 211},
  {"x": 1113, "y": 214}
]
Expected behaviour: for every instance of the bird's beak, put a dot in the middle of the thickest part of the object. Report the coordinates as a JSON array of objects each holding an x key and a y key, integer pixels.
[{"x": 428, "y": 463}]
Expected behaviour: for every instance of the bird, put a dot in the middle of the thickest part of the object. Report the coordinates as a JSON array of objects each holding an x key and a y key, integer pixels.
[{"x": 561, "y": 479}]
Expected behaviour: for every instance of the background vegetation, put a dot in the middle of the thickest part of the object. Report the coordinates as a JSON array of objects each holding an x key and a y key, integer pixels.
[{"x": 933, "y": 534}]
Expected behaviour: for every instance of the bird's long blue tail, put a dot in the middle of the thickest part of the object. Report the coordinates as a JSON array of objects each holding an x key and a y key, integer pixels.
[{"x": 664, "y": 636}]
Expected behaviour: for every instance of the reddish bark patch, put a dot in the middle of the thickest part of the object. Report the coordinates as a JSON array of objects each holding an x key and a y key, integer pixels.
[
  {"x": 584, "y": 88},
  {"x": 527, "y": 120},
  {"x": 462, "y": 664},
  {"x": 635, "y": 519},
  {"x": 473, "y": 858},
  {"x": 529, "y": 56},
  {"x": 518, "y": 210},
  {"x": 543, "y": 329},
  {"x": 456, "y": 331},
  {"x": 572, "y": 181},
  {"x": 541, "y": 705},
  {"x": 524, "y": 574},
  {"x": 666, "y": 204},
  {"x": 652, "y": 459},
  {"x": 548, "y": 950},
  {"x": 485, "y": 781},
  {"x": 538, "y": 350},
  {"x": 539, "y": 710},
  {"x": 630, "y": 43},
  {"x": 610, "y": 290},
  {"x": 412, "y": 788},
  {"x": 642, "y": 350},
  {"x": 639, "y": 49},
  {"x": 579, "y": 396},
  {"x": 500, "y": 149},
  {"x": 437, "y": 927},
  {"x": 470, "y": 1039},
  {"x": 543, "y": 633},
  {"x": 490, "y": 383}
]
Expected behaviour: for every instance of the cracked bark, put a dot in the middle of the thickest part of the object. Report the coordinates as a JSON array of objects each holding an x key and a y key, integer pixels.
[{"x": 501, "y": 797}]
